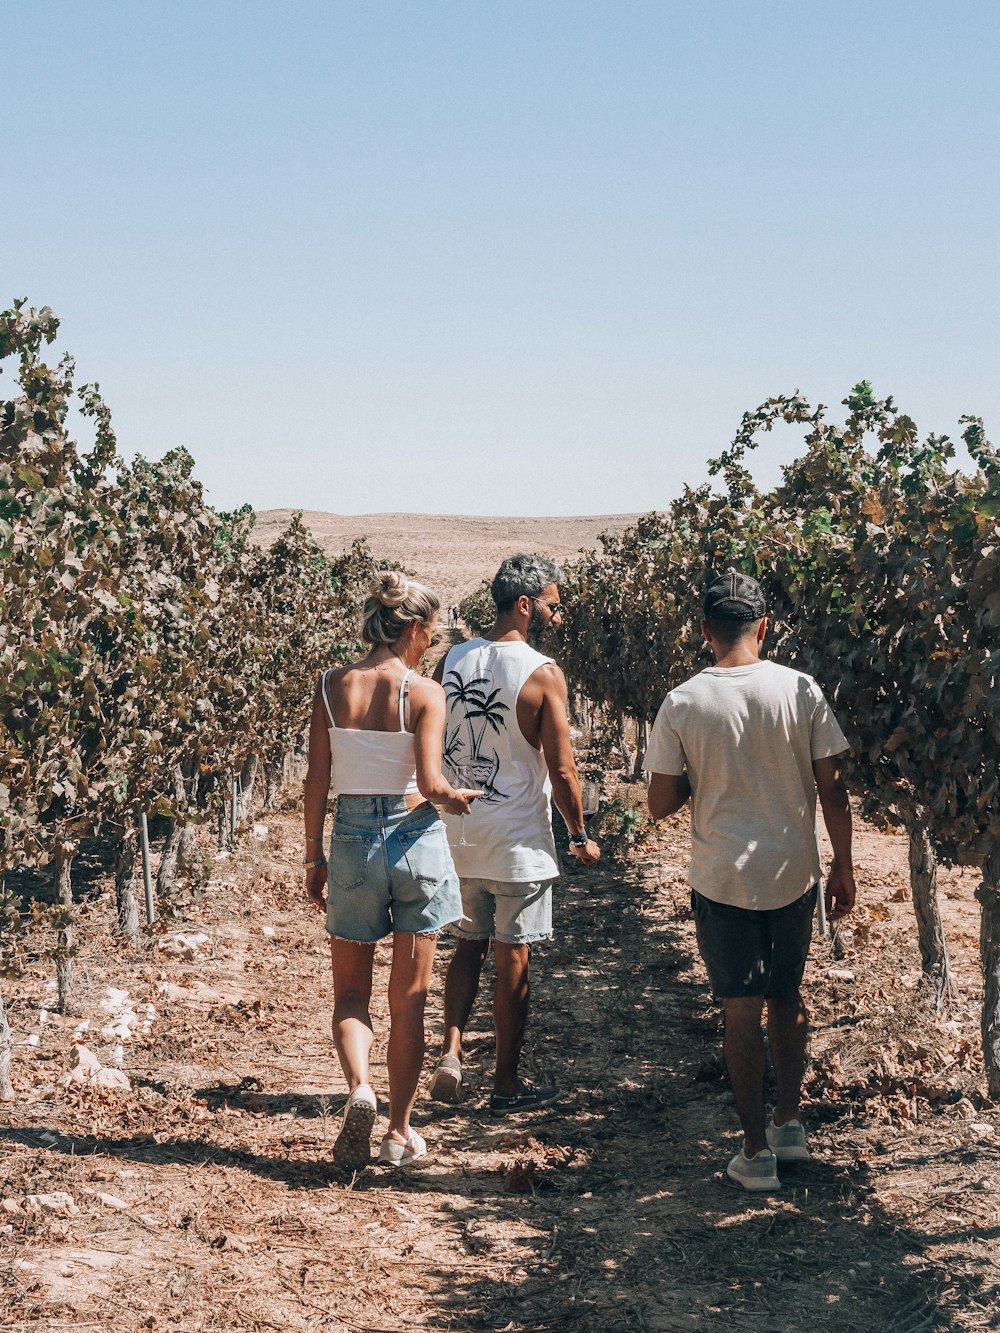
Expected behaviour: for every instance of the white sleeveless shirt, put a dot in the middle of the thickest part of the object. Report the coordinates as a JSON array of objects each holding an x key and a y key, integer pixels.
[
  {"x": 372, "y": 763},
  {"x": 510, "y": 828}
]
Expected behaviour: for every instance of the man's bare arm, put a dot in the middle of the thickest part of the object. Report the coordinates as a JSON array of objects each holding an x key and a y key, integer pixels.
[
  {"x": 840, "y": 887},
  {"x": 667, "y": 793},
  {"x": 557, "y": 749}
]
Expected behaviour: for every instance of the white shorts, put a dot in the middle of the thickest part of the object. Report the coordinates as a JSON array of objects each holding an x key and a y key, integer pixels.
[{"x": 513, "y": 913}]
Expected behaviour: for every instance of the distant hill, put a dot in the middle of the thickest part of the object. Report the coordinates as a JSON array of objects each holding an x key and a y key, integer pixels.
[{"x": 451, "y": 553}]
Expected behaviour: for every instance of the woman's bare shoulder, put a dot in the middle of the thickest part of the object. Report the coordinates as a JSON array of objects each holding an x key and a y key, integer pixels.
[
  {"x": 423, "y": 688},
  {"x": 426, "y": 697},
  {"x": 340, "y": 672}
]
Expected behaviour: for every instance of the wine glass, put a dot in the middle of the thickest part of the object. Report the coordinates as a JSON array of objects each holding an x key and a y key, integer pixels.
[
  {"x": 465, "y": 778},
  {"x": 590, "y": 794}
]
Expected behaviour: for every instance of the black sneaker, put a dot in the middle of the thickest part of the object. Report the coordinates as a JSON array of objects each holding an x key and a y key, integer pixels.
[{"x": 527, "y": 1098}]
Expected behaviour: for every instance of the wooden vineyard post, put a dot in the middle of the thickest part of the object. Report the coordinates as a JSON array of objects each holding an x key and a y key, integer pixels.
[
  {"x": 224, "y": 821},
  {"x": 64, "y": 949},
  {"x": 6, "y": 1088},
  {"x": 147, "y": 878},
  {"x": 989, "y": 950}
]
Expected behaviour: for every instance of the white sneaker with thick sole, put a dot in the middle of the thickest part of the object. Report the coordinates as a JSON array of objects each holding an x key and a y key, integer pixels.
[
  {"x": 759, "y": 1172},
  {"x": 353, "y": 1148},
  {"x": 395, "y": 1153},
  {"x": 788, "y": 1141}
]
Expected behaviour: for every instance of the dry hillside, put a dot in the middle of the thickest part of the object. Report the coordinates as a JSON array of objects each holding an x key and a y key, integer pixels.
[{"x": 452, "y": 553}]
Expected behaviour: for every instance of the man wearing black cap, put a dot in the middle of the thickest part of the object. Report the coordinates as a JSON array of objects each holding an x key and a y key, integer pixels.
[{"x": 751, "y": 743}]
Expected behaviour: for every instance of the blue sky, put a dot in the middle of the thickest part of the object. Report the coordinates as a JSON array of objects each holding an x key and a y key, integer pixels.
[{"x": 524, "y": 258}]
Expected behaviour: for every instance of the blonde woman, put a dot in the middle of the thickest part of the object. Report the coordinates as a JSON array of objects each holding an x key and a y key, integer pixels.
[{"x": 375, "y": 741}]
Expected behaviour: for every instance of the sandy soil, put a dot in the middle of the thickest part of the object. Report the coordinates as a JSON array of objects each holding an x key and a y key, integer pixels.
[
  {"x": 451, "y": 553},
  {"x": 205, "y": 1198}
]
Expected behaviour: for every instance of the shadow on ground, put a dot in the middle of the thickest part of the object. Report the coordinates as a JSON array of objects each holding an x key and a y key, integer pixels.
[
  {"x": 608, "y": 1212},
  {"x": 641, "y": 1229}
]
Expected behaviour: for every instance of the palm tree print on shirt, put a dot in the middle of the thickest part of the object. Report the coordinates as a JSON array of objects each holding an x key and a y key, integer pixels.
[
  {"x": 466, "y": 692},
  {"x": 490, "y": 710},
  {"x": 481, "y": 705}
]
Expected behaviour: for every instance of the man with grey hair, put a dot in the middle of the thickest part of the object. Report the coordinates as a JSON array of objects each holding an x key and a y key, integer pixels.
[{"x": 507, "y": 732}]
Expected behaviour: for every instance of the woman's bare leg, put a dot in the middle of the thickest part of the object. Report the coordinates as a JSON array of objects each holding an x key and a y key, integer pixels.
[
  {"x": 352, "y": 1022},
  {"x": 412, "y": 960}
]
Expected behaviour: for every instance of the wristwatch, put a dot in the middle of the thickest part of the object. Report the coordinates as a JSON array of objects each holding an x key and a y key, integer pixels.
[
  {"x": 579, "y": 839},
  {"x": 311, "y": 865}
]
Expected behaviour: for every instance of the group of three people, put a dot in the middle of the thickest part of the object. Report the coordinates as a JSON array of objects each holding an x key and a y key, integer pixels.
[{"x": 443, "y": 821}]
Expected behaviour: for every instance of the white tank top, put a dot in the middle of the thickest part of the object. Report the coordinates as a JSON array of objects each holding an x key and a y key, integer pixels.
[
  {"x": 511, "y": 826},
  {"x": 372, "y": 763}
]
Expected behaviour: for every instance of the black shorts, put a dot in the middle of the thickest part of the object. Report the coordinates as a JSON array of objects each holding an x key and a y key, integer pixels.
[{"x": 754, "y": 953}]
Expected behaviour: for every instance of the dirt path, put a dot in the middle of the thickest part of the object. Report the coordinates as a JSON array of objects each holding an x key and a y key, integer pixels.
[{"x": 608, "y": 1212}]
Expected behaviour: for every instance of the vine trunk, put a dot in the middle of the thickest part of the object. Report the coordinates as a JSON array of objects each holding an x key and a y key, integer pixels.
[
  {"x": 641, "y": 742},
  {"x": 166, "y": 875},
  {"x": 937, "y": 980},
  {"x": 185, "y": 846},
  {"x": 126, "y": 896},
  {"x": 248, "y": 778},
  {"x": 273, "y": 774}
]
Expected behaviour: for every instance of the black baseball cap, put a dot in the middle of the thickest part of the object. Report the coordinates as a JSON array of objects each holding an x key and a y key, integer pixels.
[{"x": 734, "y": 597}]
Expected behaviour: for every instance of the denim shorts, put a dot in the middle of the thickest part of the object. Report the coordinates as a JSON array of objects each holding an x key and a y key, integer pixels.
[
  {"x": 513, "y": 913},
  {"x": 754, "y": 953},
  {"x": 389, "y": 869}
]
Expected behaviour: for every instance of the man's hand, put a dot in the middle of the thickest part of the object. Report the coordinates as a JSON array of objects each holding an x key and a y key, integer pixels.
[
  {"x": 588, "y": 854},
  {"x": 460, "y": 803},
  {"x": 841, "y": 891},
  {"x": 316, "y": 887}
]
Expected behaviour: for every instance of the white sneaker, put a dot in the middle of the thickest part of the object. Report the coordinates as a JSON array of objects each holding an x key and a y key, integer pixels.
[
  {"x": 788, "y": 1141},
  {"x": 394, "y": 1153},
  {"x": 353, "y": 1148},
  {"x": 759, "y": 1172}
]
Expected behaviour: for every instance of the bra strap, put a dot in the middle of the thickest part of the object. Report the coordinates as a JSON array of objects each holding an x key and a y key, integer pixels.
[
  {"x": 403, "y": 689},
  {"x": 326, "y": 701}
]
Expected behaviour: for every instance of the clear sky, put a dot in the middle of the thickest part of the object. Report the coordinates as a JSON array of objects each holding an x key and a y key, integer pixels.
[{"x": 524, "y": 258}]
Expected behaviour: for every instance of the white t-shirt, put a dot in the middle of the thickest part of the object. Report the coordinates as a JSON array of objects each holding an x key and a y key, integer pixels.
[{"x": 747, "y": 736}]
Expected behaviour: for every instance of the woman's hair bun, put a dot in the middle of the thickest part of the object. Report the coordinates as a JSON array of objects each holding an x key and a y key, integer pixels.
[
  {"x": 393, "y": 602},
  {"x": 390, "y": 587}
]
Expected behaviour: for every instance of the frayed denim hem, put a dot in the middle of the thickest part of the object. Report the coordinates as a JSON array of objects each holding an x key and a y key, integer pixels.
[
  {"x": 459, "y": 934},
  {"x": 417, "y": 935}
]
